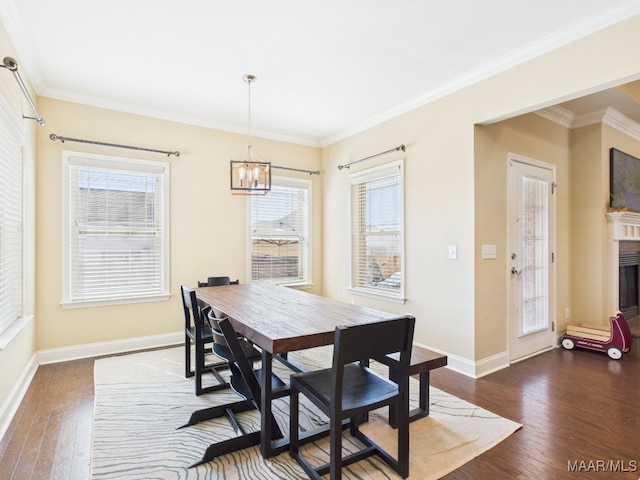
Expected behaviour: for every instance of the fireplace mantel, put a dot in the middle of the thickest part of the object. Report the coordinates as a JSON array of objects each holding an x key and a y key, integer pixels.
[{"x": 626, "y": 225}]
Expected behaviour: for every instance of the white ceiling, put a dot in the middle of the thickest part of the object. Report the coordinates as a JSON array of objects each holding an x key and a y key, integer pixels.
[{"x": 326, "y": 69}]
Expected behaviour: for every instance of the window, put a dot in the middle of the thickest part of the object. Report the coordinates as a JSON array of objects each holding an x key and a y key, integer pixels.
[
  {"x": 116, "y": 229},
  {"x": 11, "y": 221},
  {"x": 280, "y": 232},
  {"x": 377, "y": 232}
]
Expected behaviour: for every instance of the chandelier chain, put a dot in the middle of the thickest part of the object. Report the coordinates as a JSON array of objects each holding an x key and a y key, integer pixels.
[{"x": 249, "y": 80}]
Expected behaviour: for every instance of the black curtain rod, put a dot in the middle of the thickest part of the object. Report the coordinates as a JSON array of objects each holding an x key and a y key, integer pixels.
[
  {"x": 347, "y": 165},
  {"x": 310, "y": 172},
  {"x": 55, "y": 137}
]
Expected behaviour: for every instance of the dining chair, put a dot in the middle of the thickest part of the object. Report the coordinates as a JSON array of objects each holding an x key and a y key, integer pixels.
[
  {"x": 218, "y": 281},
  {"x": 198, "y": 331},
  {"x": 245, "y": 381},
  {"x": 220, "y": 346},
  {"x": 349, "y": 390}
]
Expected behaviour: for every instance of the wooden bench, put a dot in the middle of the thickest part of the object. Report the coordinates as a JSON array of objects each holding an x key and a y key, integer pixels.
[{"x": 422, "y": 362}]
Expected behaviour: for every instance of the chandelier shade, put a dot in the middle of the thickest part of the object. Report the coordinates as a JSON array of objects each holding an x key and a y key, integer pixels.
[{"x": 250, "y": 176}]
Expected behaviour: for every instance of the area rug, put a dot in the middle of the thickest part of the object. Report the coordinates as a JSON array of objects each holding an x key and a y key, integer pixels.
[{"x": 141, "y": 398}]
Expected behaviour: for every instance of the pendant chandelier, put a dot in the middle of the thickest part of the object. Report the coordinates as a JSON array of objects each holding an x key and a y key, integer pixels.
[{"x": 250, "y": 175}]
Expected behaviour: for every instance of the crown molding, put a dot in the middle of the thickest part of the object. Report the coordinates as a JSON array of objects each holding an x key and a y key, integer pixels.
[
  {"x": 622, "y": 123},
  {"x": 609, "y": 116},
  {"x": 557, "y": 114},
  {"x": 160, "y": 114}
]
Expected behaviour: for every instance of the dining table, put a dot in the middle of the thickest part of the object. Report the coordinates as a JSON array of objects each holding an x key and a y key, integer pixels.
[{"x": 281, "y": 320}]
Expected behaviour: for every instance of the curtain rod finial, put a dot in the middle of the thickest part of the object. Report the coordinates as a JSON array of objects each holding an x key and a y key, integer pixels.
[{"x": 10, "y": 63}]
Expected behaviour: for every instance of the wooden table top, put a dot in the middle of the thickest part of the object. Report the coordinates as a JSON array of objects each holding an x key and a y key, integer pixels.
[{"x": 281, "y": 319}]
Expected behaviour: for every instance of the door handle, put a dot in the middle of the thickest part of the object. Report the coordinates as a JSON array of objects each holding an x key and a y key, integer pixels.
[{"x": 515, "y": 271}]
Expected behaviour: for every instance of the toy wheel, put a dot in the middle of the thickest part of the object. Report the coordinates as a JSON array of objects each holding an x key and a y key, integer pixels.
[
  {"x": 568, "y": 343},
  {"x": 614, "y": 353}
]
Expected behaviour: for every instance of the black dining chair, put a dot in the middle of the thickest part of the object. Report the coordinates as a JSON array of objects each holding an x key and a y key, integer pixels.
[
  {"x": 350, "y": 390},
  {"x": 198, "y": 331},
  {"x": 245, "y": 381},
  {"x": 220, "y": 347},
  {"x": 218, "y": 281}
]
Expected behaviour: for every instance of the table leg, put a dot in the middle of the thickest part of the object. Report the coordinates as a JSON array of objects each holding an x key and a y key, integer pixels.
[
  {"x": 266, "y": 415},
  {"x": 423, "y": 403}
]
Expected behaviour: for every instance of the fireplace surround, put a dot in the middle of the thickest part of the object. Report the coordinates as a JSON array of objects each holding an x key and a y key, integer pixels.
[{"x": 624, "y": 231}]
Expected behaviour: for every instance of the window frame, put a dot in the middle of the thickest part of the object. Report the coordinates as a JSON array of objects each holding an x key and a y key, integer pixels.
[
  {"x": 372, "y": 174},
  {"x": 123, "y": 164},
  {"x": 14, "y": 129},
  {"x": 299, "y": 183}
]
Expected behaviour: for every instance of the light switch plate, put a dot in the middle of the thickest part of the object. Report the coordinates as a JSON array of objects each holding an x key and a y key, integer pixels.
[
  {"x": 489, "y": 252},
  {"x": 453, "y": 252}
]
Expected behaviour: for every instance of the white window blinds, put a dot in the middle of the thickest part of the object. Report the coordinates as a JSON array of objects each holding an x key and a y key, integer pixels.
[
  {"x": 377, "y": 231},
  {"x": 117, "y": 229},
  {"x": 279, "y": 226},
  {"x": 11, "y": 222}
]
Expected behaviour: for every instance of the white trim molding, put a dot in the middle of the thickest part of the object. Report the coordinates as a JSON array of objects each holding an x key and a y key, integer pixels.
[
  {"x": 609, "y": 116},
  {"x": 76, "y": 352},
  {"x": 11, "y": 404}
]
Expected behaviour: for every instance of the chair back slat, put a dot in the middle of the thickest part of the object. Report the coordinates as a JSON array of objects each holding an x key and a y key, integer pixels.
[
  {"x": 193, "y": 310},
  {"x": 362, "y": 342},
  {"x": 217, "y": 281},
  {"x": 187, "y": 305}
]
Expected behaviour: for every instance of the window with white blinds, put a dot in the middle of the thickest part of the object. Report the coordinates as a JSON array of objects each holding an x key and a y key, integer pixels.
[
  {"x": 280, "y": 232},
  {"x": 11, "y": 223},
  {"x": 116, "y": 229},
  {"x": 377, "y": 231}
]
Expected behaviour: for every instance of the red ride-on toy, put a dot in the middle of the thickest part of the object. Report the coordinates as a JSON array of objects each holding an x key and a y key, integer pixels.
[{"x": 614, "y": 340}]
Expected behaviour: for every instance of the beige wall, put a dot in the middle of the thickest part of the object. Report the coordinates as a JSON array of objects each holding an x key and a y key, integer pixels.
[
  {"x": 438, "y": 213},
  {"x": 589, "y": 177},
  {"x": 441, "y": 198},
  {"x": 533, "y": 137},
  {"x": 591, "y": 246},
  {"x": 208, "y": 224}
]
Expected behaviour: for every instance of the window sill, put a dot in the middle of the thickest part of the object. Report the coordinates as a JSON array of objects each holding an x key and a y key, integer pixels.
[
  {"x": 119, "y": 301},
  {"x": 13, "y": 330},
  {"x": 298, "y": 286},
  {"x": 377, "y": 295}
]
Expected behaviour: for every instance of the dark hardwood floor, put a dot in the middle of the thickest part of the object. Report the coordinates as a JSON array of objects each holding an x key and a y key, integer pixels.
[{"x": 580, "y": 411}]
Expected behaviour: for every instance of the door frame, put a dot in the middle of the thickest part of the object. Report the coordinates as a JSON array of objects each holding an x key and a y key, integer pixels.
[{"x": 511, "y": 206}]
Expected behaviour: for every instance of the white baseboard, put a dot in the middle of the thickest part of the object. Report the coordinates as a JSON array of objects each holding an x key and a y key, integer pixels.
[
  {"x": 473, "y": 369},
  {"x": 491, "y": 364},
  {"x": 55, "y": 355},
  {"x": 11, "y": 404},
  {"x": 64, "y": 354}
]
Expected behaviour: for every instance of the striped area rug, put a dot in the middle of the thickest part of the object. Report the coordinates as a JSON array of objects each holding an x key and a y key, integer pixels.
[{"x": 141, "y": 398}]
